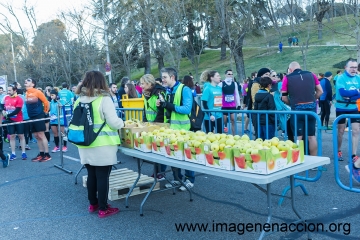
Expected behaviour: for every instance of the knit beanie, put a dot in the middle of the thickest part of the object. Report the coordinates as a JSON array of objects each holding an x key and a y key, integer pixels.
[{"x": 262, "y": 71}]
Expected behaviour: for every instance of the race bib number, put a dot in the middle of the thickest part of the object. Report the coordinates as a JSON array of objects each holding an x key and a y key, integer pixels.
[
  {"x": 217, "y": 101},
  {"x": 229, "y": 98}
]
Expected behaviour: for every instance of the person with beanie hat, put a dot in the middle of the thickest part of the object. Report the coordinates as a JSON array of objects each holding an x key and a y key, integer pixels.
[
  {"x": 253, "y": 89},
  {"x": 54, "y": 120},
  {"x": 325, "y": 100}
]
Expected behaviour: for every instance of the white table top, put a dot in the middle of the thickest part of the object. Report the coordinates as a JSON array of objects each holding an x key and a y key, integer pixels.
[{"x": 310, "y": 162}]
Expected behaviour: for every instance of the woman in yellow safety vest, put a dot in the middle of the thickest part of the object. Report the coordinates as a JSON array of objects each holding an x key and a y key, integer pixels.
[
  {"x": 152, "y": 91},
  {"x": 100, "y": 155}
]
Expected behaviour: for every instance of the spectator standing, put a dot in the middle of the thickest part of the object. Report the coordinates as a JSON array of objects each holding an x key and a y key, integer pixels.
[
  {"x": 338, "y": 74},
  {"x": 280, "y": 47},
  {"x": 188, "y": 81},
  {"x": 121, "y": 91},
  {"x": 99, "y": 157},
  {"x": 197, "y": 88},
  {"x": 138, "y": 88},
  {"x": 253, "y": 89},
  {"x": 37, "y": 106},
  {"x": 12, "y": 112},
  {"x": 264, "y": 100},
  {"x": 54, "y": 122},
  {"x": 325, "y": 100},
  {"x": 114, "y": 95},
  {"x": 178, "y": 105},
  {"x": 304, "y": 88},
  {"x": 130, "y": 90},
  {"x": 290, "y": 41},
  {"x": 212, "y": 100}
]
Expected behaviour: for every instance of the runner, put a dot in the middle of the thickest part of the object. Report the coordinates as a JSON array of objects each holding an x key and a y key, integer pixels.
[
  {"x": 212, "y": 99},
  {"x": 347, "y": 92},
  {"x": 13, "y": 114},
  {"x": 54, "y": 121},
  {"x": 37, "y": 106},
  {"x": 230, "y": 99}
]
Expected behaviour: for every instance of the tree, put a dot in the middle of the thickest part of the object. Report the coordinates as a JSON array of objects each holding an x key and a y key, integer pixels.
[
  {"x": 236, "y": 19},
  {"x": 320, "y": 9}
]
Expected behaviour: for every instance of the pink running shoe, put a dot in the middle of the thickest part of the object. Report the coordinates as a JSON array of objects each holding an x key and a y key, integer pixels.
[{"x": 108, "y": 212}]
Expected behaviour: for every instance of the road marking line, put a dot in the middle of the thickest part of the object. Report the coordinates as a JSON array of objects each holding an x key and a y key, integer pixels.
[{"x": 71, "y": 158}]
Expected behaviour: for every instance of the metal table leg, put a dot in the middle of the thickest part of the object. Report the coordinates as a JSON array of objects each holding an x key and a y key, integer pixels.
[
  {"x": 82, "y": 167},
  {"x": 134, "y": 185},
  {"x": 292, "y": 181},
  {"x": 151, "y": 188},
  {"x": 175, "y": 170},
  {"x": 78, "y": 172},
  {"x": 268, "y": 194}
]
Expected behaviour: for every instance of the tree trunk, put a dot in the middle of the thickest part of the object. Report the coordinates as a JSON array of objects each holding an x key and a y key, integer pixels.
[
  {"x": 236, "y": 49},
  {"x": 190, "y": 46},
  {"x": 320, "y": 27},
  {"x": 146, "y": 48},
  {"x": 223, "y": 50},
  {"x": 160, "y": 58}
]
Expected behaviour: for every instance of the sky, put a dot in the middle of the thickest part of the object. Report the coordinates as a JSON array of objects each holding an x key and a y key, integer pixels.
[{"x": 45, "y": 10}]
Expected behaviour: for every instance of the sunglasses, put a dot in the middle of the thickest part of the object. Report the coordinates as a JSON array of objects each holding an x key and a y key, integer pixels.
[
  {"x": 230, "y": 74},
  {"x": 28, "y": 80},
  {"x": 273, "y": 75}
]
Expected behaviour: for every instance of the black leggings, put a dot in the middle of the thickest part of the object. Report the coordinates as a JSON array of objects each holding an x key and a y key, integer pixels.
[
  {"x": 27, "y": 132},
  {"x": 325, "y": 112},
  {"x": 219, "y": 124},
  {"x": 98, "y": 184}
]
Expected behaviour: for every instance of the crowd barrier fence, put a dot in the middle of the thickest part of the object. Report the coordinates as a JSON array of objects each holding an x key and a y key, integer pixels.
[{"x": 348, "y": 159}]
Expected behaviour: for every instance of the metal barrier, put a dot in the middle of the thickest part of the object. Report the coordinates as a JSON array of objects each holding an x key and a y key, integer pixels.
[
  {"x": 350, "y": 150},
  {"x": 254, "y": 118},
  {"x": 130, "y": 113}
]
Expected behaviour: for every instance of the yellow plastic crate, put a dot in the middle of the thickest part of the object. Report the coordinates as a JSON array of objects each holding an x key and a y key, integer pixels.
[{"x": 133, "y": 103}]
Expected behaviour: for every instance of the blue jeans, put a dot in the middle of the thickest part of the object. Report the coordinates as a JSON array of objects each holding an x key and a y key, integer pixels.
[
  {"x": 188, "y": 175},
  {"x": 271, "y": 131}
]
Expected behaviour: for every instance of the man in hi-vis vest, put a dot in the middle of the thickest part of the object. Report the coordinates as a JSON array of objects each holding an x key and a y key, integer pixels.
[{"x": 178, "y": 105}]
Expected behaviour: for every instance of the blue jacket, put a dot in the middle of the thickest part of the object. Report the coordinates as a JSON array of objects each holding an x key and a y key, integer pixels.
[
  {"x": 53, "y": 113},
  {"x": 24, "y": 109},
  {"x": 186, "y": 99},
  {"x": 347, "y": 92},
  {"x": 327, "y": 90}
]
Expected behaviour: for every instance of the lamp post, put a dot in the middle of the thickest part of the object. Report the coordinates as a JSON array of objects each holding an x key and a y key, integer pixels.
[
  {"x": 13, "y": 55},
  {"x": 108, "y": 64}
]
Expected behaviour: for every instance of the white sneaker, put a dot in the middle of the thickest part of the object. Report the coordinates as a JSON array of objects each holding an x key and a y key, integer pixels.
[
  {"x": 173, "y": 184},
  {"x": 188, "y": 184}
]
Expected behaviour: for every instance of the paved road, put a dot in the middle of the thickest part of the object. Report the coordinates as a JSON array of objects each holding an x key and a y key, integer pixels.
[{"x": 40, "y": 201}]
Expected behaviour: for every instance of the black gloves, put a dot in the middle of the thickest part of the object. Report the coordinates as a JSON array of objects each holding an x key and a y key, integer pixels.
[
  {"x": 168, "y": 106},
  {"x": 238, "y": 108}
]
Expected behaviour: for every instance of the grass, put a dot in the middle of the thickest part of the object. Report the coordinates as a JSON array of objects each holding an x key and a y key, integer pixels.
[{"x": 319, "y": 59}]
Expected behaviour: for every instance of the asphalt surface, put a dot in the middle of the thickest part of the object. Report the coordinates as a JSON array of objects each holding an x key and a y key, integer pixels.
[{"x": 40, "y": 201}]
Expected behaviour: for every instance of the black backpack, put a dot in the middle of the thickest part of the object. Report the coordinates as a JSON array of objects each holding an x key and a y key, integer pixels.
[
  {"x": 81, "y": 128},
  {"x": 196, "y": 115}
]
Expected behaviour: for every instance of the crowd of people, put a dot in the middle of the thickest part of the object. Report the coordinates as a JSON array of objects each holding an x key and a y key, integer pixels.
[
  {"x": 28, "y": 113},
  {"x": 31, "y": 111}
]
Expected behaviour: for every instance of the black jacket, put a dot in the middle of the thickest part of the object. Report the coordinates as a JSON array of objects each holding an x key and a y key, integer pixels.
[
  {"x": 265, "y": 101},
  {"x": 250, "y": 102},
  {"x": 121, "y": 92},
  {"x": 160, "y": 111}
]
